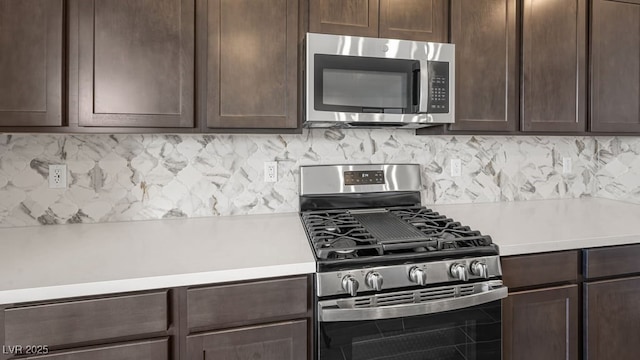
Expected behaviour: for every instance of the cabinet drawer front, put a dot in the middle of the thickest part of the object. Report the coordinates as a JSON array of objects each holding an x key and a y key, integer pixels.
[
  {"x": 540, "y": 269},
  {"x": 146, "y": 350},
  {"x": 87, "y": 320},
  {"x": 231, "y": 305},
  {"x": 611, "y": 261},
  {"x": 280, "y": 341}
]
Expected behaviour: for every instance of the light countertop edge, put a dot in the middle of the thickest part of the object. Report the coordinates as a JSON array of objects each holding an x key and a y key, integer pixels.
[{"x": 152, "y": 283}]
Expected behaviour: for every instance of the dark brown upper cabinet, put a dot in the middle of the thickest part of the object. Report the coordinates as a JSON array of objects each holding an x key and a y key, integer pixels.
[
  {"x": 252, "y": 64},
  {"x": 31, "y": 62},
  {"x": 344, "y": 17},
  {"x": 420, "y": 20},
  {"x": 554, "y": 65},
  {"x": 485, "y": 35},
  {"x": 136, "y": 63},
  {"x": 615, "y": 66}
]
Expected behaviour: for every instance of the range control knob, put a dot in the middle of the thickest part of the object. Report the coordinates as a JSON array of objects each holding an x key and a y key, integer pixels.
[
  {"x": 479, "y": 268},
  {"x": 374, "y": 280},
  {"x": 350, "y": 285},
  {"x": 459, "y": 271},
  {"x": 418, "y": 276}
]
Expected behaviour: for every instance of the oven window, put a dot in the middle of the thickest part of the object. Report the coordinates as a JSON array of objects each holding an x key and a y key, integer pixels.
[
  {"x": 467, "y": 334},
  {"x": 361, "y": 84}
]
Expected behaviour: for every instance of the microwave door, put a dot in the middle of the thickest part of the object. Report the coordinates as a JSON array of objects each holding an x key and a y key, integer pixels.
[{"x": 424, "y": 87}]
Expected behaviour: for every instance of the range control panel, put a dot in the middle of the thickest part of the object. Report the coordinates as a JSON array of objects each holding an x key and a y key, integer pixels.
[
  {"x": 438, "y": 87},
  {"x": 373, "y": 177}
]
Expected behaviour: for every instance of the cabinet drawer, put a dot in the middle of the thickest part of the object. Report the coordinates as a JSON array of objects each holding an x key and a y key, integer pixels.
[
  {"x": 87, "y": 320},
  {"x": 611, "y": 261},
  {"x": 246, "y": 303},
  {"x": 145, "y": 350},
  {"x": 280, "y": 341},
  {"x": 539, "y": 269}
]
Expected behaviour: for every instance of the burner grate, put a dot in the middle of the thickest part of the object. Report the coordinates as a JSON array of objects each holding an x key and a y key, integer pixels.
[{"x": 356, "y": 235}]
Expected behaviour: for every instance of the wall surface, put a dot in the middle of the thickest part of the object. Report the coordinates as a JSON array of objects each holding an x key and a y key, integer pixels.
[
  {"x": 140, "y": 177},
  {"x": 618, "y": 170}
]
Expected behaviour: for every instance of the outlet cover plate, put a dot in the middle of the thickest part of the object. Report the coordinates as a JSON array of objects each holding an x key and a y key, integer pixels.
[
  {"x": 57, "y": 176},
  {"x": 456, "y": 167},
  {"x": 271, "y": 171}
]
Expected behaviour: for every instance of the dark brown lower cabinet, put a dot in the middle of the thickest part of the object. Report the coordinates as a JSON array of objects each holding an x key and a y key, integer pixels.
[
  {"x": 281, "y": 341},
  {"x": 268, "y": 319},
  {"x": 541, "y": 324},
  {"x": 612, "y": 319},
  {"x": 145, "y": 350}
]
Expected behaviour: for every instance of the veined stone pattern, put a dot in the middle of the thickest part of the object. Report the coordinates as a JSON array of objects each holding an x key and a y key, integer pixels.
[
  {"x": 141, "y": 177},
  {"x": 618, "y": 174}
]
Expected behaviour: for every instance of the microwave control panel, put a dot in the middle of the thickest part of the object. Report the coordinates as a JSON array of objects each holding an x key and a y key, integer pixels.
[{"x": 438, "y": 87}]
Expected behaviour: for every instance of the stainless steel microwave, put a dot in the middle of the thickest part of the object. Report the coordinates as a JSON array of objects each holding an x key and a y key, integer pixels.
[{"x": 368, "y": 82}]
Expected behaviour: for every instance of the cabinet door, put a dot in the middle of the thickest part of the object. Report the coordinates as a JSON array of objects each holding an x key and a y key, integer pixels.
[
  {"x": 615, "y": 66},
  {"x": 554, "y": 65},
  {"x": 344, "y": 17},
  {"x": 612, "y": 319},
  {"x": 136, "y": 63},
  {"x": 541, "y": 324},
  {"x": 144, "y": 350},
  {"x": 282, "y": 341},
  {"x": 420, "y": 20},
  {"x": 252, "y": 68},
  {"x": 31, "y": 62},
  {"x": 487, "y": 70}
]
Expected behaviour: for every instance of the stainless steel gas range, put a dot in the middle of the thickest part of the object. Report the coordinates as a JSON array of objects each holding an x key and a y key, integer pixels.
[{"x": 396, "y": 280}]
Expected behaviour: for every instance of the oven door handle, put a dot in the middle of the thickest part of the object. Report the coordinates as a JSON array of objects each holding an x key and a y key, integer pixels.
[{"x": 405, "y": 310}]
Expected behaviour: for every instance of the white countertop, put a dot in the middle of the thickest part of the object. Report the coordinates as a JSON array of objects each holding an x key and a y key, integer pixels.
[
  {"x": 524, "y": 227},
  {"x": 51, "y": 262}
]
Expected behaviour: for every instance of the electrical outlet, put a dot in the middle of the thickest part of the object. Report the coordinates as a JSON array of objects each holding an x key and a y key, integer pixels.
[
  {"x": 567, "y": 167},
  {"x": 271, "y": 171},
  {"x": 57, "y": 176},
  {"x": 456, "y": 167}
]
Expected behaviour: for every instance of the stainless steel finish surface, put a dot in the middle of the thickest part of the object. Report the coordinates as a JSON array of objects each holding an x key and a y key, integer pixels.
[
  {"x": 411, "y": 303},
  {"x": 329, "y": 179},
  {"x": 350, "y": 285},
  {"x": 398, "y": 276},
  {"x": 424, "y": 95},
  {"x": 418, "y": 276},
  {"x": 374, "y": 280},
  {"x": 372, "y": 47},
  {"x": 480, "y": 269},
  {"x": 459, "y": 271}
]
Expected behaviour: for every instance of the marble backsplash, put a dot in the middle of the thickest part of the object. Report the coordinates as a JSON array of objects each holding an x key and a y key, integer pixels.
[
  {"x": 140, "y": 177},
  {"x": 618, "y": 170}
]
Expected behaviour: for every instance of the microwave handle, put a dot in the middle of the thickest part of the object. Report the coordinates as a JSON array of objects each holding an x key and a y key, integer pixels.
[
  {"x": 424, "y": 88},
  {"x": 405, "y": 310}
]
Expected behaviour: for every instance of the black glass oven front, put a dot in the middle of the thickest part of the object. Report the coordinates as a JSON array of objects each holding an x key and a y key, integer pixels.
[{"x": 472, "y": 333}]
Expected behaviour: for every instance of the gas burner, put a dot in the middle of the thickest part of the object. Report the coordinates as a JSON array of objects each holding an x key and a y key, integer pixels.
[{"x": 344, "y": 246}]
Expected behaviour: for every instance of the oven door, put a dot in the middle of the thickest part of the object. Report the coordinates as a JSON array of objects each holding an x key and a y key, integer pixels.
[{"x": 460, "y": 322}]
